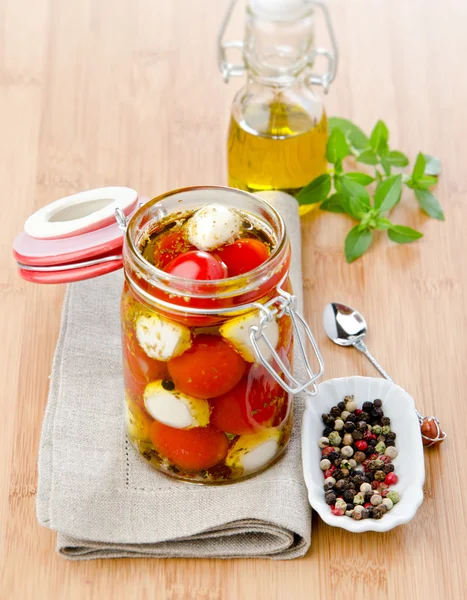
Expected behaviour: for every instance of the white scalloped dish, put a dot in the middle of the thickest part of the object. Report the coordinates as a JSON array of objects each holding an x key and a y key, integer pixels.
[{"x": 409, "y": 464}]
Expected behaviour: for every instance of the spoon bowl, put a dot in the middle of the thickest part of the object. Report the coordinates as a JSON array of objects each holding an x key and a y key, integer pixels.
[{"x": 343, "y": 324}]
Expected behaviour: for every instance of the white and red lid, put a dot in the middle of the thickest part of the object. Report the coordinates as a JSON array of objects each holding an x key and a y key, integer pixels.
[{"x": 76, "y": 237}]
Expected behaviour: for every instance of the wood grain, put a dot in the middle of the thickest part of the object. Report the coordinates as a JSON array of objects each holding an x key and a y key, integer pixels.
[{"x": 99, "y": 92}]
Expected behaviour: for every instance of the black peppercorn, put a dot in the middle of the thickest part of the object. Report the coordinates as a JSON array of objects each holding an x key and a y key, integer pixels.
[
  {"x": 350, "y": 506},
  {"x": 335, "y": 412},
  {"x": 327, "y": 431},
  {"x": 391, "y": 435},
  {"x": 388, "y": 468},
  {"x": 381, "y": 438},
  {"x": 330, "y": 497},
  {"x": 358, "y": 479},
  {"x": 337, "y": 474},
  {"x": 341, "y": 485},
  {"x": 379, "y": 412},
  {"x": 367, "y": 406},
  {"x": 349, "y": 426},
  {"x": 348, "y": 496},
  {"x": 361, "y": 426},
  {"x": 351, "y": 418},
  {"x": 378, "y": 512},
  {"x": 368, "y": 496},
  {"x": 357, "y": 435},
  {"x": 386, "y": 421},
  {"x": 333, "y": 456},
  {"x": 341, "y": 406},
  {"x": 390, "y": 443},
  {"x": 328, "y": 485},
  {"x": 363, "y": 416},
  {"x": 365, "y": 513},
  {"x": 337, "y": 462},
  {"x": 372, "y": 443},
  {"x": 378, "y": 403}
]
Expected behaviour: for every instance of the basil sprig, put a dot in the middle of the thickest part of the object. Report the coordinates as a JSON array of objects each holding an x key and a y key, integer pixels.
[{"x": 341, "y": 191}]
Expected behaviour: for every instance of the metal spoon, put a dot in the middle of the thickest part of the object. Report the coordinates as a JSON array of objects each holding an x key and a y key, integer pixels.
[{"x": 345, "y": 326}]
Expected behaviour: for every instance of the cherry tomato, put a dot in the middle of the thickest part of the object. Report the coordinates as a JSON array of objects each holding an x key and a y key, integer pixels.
[
  {"x": 197, "y": 265},
  {"x": 243, "y": 255},
  {"x": 209, "y": 368},
  {"x": 169, "y": 246},
  {"x": 251, "y": 405},
  {"x": 190, "y": 449},
  {"x": 139, "y": 369}
]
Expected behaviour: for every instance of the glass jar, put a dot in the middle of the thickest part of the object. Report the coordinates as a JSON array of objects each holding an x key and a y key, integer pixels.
[
  {"x": 206, "y": 363},
  {"x": 278, "y": 127}
]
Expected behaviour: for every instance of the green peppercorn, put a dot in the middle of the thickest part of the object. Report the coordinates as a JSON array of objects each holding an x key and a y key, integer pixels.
[
  {"x": 380, "y": 476},
  {"x": 334, "y": 438},
  {"x": 386, "y": 429},
  {"x": 394, "y": 496},
  {"x": 345, "y": 464},
  {"x": 359, "y": 498},
  {"x": 377, "y": 429},
  {"x": 380, "y": 447}
]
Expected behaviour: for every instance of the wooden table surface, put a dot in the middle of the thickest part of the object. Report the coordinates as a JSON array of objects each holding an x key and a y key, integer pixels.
[{"x": 127, "y": 92}]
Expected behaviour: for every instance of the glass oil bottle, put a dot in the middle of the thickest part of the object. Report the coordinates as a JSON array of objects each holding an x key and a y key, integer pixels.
[{"x": 278, "y": 127}]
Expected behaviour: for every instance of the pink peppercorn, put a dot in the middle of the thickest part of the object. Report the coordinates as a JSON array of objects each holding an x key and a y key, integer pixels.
[
  {"x": 373, "y": 456},
  {"x": 361, "y": 445},
  {"x": 329, "y": 472},
  {"x": 358, "y": 411},
  {"x": 337, "y": 511},
  {"x": 391, "y": 479},
  {"x": 328, "y": 450},
  {"x": 374, "y": 484},
  {"x": 384, "y": 458},
  {"x": 368, "y": 505}
]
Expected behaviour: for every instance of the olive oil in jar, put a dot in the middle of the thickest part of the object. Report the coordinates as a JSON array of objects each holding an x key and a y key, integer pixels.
[{"x": 276, "y": 146}]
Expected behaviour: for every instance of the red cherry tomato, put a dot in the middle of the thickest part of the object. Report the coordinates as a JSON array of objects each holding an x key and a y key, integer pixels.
[
  {"x": 251, "y": 405},
  {"x": 209, "y": 368},
  {"x": 243, "y": 255},
  {"x": 139, "y": 369},
  {"x": 169, "y": 246},
  {"x": 190, "y": 449},
  {"x": 197, "y": 265}
]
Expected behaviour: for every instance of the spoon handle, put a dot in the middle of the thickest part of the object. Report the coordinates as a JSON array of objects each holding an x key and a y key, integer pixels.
[{"x": 360, "y": 345}]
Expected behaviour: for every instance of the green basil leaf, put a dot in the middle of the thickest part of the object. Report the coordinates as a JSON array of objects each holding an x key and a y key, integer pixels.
[
  {"x": 425, "y": 182},
  {"x": 386, "y": 166},
  {"x": 333, "y": 204},
  {"x": 429, "y": 204},
  {"x": 419, "y": 167},
  {"x": 356, "y": 243},
  {"x": 379, "y": 137},
  {"x": 383, "y": 224},
  {"x": 388, "y": 193},
  {"x": 432, "y": 165},
  {"x": 361, "y": 178},
  {"x": 354, "y": 134},
  {"x": 337, "y": 147},
  {"x": 403, "y": 235},
  {"x": 397, "y": 159},
  {"x": 356, "y": 200},
  {"x": 316, "y": 191},
  {"x": 367, "y": 157}
]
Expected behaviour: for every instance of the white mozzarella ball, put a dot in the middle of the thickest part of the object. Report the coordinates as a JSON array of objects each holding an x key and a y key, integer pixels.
[
  {"x": 162, "y": 338},
  {"x": 213, "y": 226}
]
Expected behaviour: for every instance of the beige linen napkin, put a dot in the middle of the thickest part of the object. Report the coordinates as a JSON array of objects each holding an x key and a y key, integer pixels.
[{"x": 104, "y": 500}]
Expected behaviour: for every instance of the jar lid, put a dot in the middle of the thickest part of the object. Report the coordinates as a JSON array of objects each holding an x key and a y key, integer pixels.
[
  {"x": 76, "y": 237},
  {"x": 280, "y": 10}
]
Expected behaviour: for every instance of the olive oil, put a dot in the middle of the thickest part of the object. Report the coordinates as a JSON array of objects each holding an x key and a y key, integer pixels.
[{"x": 276, "y": 146}]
